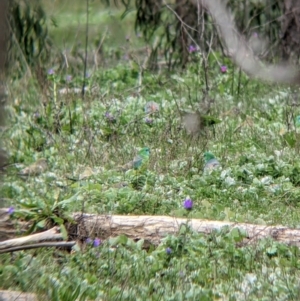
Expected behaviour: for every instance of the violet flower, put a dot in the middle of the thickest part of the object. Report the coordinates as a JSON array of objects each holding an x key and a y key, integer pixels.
[
  {"x": 188, "y": 204},
  {"x": 223, "y": 69}
]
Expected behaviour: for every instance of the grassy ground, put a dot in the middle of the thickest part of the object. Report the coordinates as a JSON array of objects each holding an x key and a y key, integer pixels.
[
  {"x": 107, "y": 25},
  {"x": 85, "y": 143}
]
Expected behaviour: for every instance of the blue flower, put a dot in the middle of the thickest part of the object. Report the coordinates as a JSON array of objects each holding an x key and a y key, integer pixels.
[
  {"x": 149, "y": 121},
  {"x": 10, "y": 210},
  {"x": 36, "y": 115},
  {"x": 110, "y": 117},
  {"x": 50, "y": 71},
  {"x": 168, "y": 250},
  {"x": 69, "y": 78},
  {"x": 88, "y": 240},
  {"x": 192, "y": 49},
  {"x": 188, "y": 204},
  {"x": 97, "y": 242}
]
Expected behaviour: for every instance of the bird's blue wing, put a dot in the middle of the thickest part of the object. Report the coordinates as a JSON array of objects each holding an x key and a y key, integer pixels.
[
  {"x": 212, "y": 164},
  {"x": 137, "y": 162}
]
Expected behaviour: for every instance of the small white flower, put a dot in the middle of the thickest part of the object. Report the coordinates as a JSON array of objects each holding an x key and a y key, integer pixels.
[
  {"x": 266, "y": 180},
  {"x": 229, "y": 181}
]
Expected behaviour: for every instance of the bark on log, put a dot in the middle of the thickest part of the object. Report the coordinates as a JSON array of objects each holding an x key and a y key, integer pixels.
[
  {"x": 153, "y": 228},
  {"x": 51, "y": 234},
  {"x": 64, "y": 245},
  {"x": 16, "y": 296}
]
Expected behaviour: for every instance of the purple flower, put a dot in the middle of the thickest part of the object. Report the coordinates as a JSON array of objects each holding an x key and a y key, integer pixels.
[
  {"x": 97, "y": 242},
  {"x": 188, "y": 204},
  {"x": 88, "y": 240},
  {"x": 50, "y": 71},
  {"x": 168, "y": 250},
  {"x": 37, "y": 115},
  {"x": 255, "y": 34},
  {"x": 149, "y": 121},
  {"x": 110, "y": 117},
  {"x": 192, "y": 48},
  {"x": 68, "y": 78},
  {"x": 10, "y": 210},
  {"x": 223, "y": 69}
]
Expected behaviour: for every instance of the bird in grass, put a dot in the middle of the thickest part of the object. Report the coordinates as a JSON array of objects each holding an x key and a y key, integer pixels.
[
  {"x": 210, "y": 162},
  {"x": 139, "y": 160},
  {"x": 34, "y": 169}
]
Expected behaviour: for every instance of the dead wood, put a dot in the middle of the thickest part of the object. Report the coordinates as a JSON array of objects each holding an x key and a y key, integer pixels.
[
  {"x": 17, "y": 296},
  {"x": 64, "y": 245},
  {"x": 154, "y": 228},
  {"x": 51, "y": 234}
]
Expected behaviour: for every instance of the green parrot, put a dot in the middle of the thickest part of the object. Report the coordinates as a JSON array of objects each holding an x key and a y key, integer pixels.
[
  {"x": 210, "y": 161},
  {"x": 140, "y": 159}
]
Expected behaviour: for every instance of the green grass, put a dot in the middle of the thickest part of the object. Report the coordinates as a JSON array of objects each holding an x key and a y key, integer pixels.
[
  {"x": 68, "y": 26},
  {"x": 258, "y": 183}
]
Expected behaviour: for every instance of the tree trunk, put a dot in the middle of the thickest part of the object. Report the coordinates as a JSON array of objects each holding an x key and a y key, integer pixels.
[
  {"x": 3, "y": 61},
  {"x": 290, "y": 29}
]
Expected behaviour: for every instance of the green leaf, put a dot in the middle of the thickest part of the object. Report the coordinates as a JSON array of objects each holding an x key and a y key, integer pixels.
[
  {"x": 121, "y": 239},
  {"x": 41, "y": 224},
  {"x": 76, "y": 293},
  {"x": 289, "y": 137},
  {"x": 236, "y": 234},
  {"x": 63, "y": 231},
  {"x": 57, "y": 220},
  {"x": 272, "y": 250},
  {"x": 140, "y": 244}
]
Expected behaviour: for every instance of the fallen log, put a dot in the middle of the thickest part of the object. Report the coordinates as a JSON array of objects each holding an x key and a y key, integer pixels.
[
  {"x": 154, "y": 228},
  {"x": 65, "y": 245},
  {"x": 51, "y": 234},
  {"x": 19, "y": 296}
]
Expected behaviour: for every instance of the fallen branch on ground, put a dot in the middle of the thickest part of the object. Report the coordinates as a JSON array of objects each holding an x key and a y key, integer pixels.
[
  {"x": 18, "y": 296},
  {"x": 63, "y": 244},
  {"x": 51, "y": 234},
  {"x": 152, "y": 229}
]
